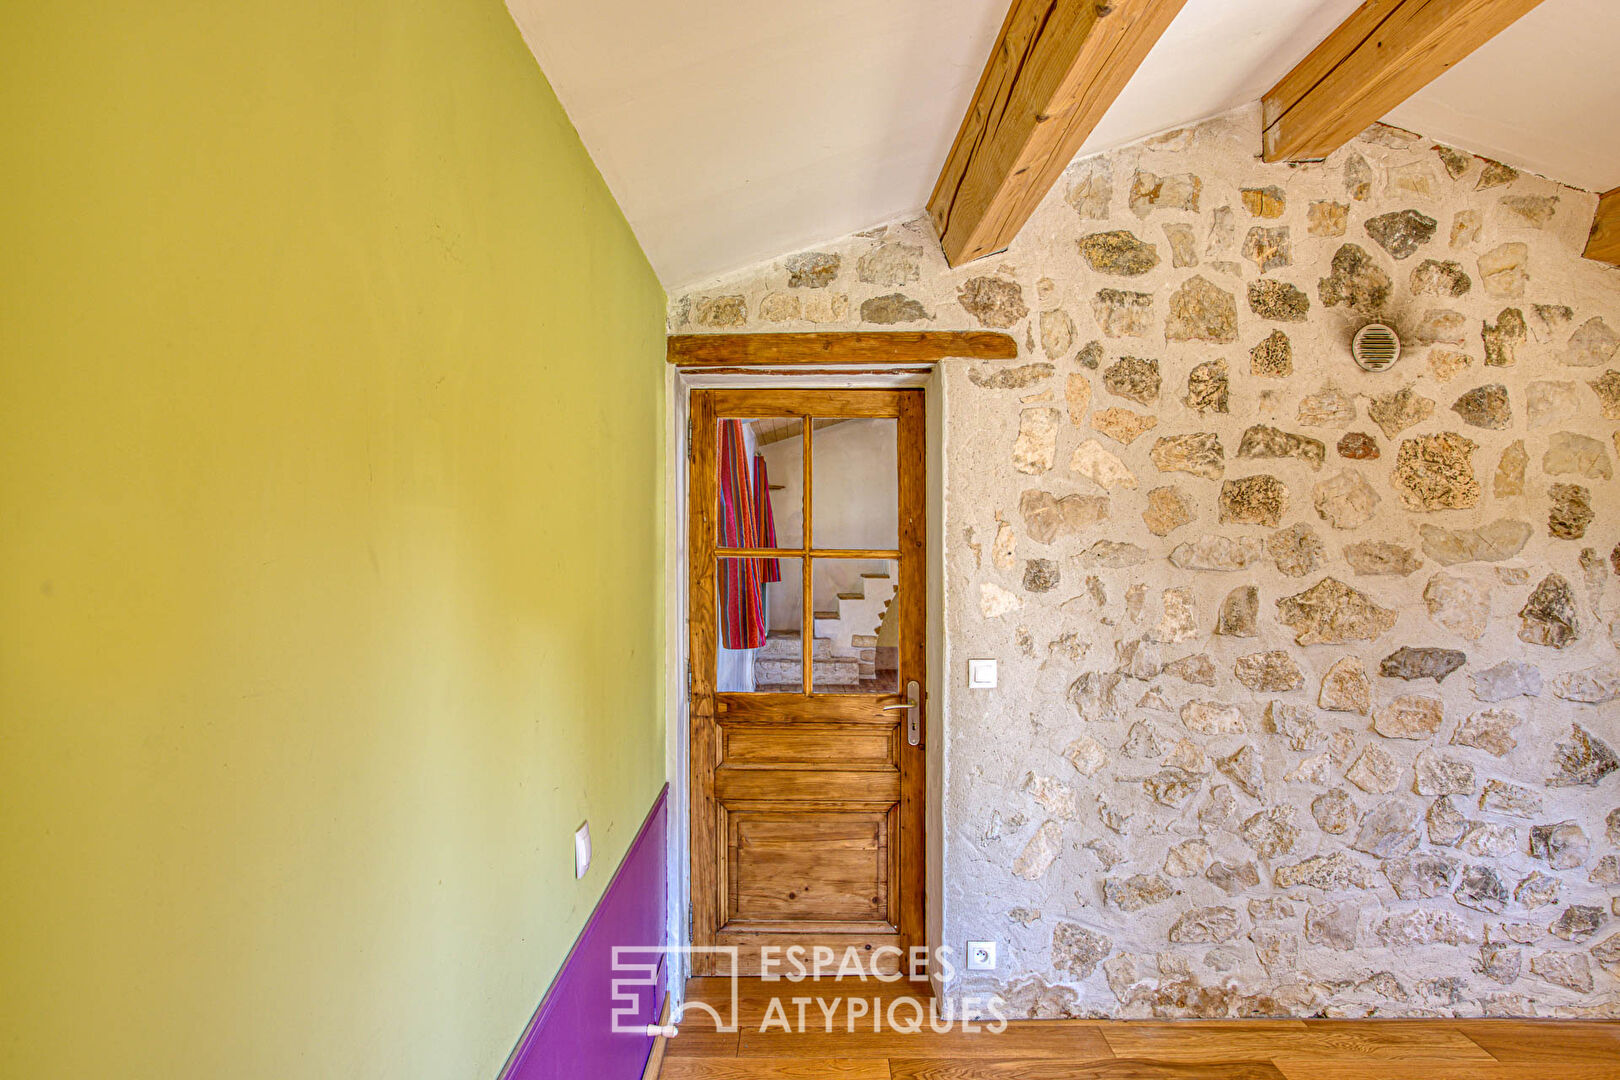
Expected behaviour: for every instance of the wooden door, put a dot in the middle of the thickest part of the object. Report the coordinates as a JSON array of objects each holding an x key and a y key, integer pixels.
[{"x": 807, "y": 769}]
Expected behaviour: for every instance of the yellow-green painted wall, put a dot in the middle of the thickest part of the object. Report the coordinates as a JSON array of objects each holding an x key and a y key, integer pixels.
[{"x": 330, "y": 505}]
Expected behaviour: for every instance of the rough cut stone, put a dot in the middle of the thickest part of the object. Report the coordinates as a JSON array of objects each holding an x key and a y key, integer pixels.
[
  {"x": 1326, "y": 218},
  {"x": 1444, "y": 279},
  {"x": 1133, "y": 378},
  {"x": 1375, "y": 771},
  {"x": 1136, "y": 892},
  {"x": 1357, "y": 282},
  {"x": 1345, "y": 687},
  {"x": 1420, "y": 876},
  {"x": 1278, "y": 301},
  {"x": 1243, "y": 769},
  {"x": 1436, "y": 472},
  {"x": 994, "y": 601},
  {"x": 1200, "y": 454},
  {"x": 1264, "y": 202},
  {"x": 1425, "y": 926},
  {"x": 1077, "y": 951},
  {"x": 1239, "y": 613},
  {"x": 1512, "y": 799},
  {"x": 1233, "y": 879},
  {"x": 1345, "y": 500},
  {"x": 1041, "y": 575},
  {"x": 1569, "y": 970},
  {"x": 1481, "y": 889},
  {"x": 1490, "y": 730},
  {"x": 1122, "y": 425},
  {"x": 1388, "y": 830},
  {"x": 1607, "y": 388},
  {"x": 1119, "y": 252},
  {"x": 1410, "y": 716},
  {"x": 1269, "y": 672},
  {"x": 1271, "y": 832},
  {"x": 1328, "y": 407},
  {"x": 1253, "y": 500},
  {"x": 1582, "y": 761},
  {"x": 1216, "y": 553},
  {"x": 1592, "y": 345},
  {"x": 812, "y": 270},
  {"x": 1047, "y": 517},
  {"x": 1373, "y": 558},
  {"x": 1105, "y": 470},
  {"x": 1503, "y": 338},
  {"x": 1533, "y": 211},
  {"x": 1198, "y": 669},
  {"x": 1035, "y": 449},
  {"x": 1504, "y": 270},
  {"x": 1501, "y": 539},
  {"x": 1123, "y": 314},
  {"x": 994, "y": 302},
  {"x": 1547, "y": 402},
  {"x": 1087, "y": 755},
  {"x": 1510, "y": 468},
  {"x": 1013, "y": 378},
  {"x": 1441, "y": 326},
  {"x": 1435, "y": 775},
  {"x": 1092, "y": 190},
  {"x": 1150, "y": 192},
  {"x": 1578, "y": 922},
  {"x": 1563, "y": 846},
  {"x": 1205, "y": 926},
  {"x": 1201, "y": 311},
  {"x": 890, "y": 265},
  {"x": 1401, "y": 232},
  {"x": 1358, "y": 177},
  {"x": 1077, "y": 396},
  {"x": 1548, "y": 616},
  {"x": 1268, "y": 249},
  {"x": 1296, "y": 550},
  {"x": 1395, "y": 412},
  {"x": 1039, "y": 853},
  {"x": 1273, "y": 358},
  {"x": 1594, "y": 685},
  {"x": 1358, "y": 446},
  {"x": 1487, "y": 841},
  {"x": 1207, "y": 388},
  {"x": 1446, "y": 823},
  {"x": 1180, "y": 620},
  {"x": 1213, "y": 718},
  {"x": 1263, "y": 441},
  {"x": 892, "y": 308},
  {"x": 1485, "y": 407},
  {"x": 1334, "y": 811},
  {"x": 1458, "y": 604},
  {"x": 1423, "y": 662},
  {"x": 1581, "y": 455},
  {"x": 1112, "y": 555},
  {"x": 1169, "y": 508},
  {"x": 1331, "y": 612},
  {"x": 722, "y": 311},
  {"x": 1337, "y": 872},
  {"x": 1183, "y": 244},
  {"x": 1447, "y": 364}
]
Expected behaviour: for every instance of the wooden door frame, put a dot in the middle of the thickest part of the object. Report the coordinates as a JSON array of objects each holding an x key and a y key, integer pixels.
[{"x": 680, "y": 382}]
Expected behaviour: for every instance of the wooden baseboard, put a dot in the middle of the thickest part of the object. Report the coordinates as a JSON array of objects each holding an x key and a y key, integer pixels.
[{"x": 655, "y": 1060}]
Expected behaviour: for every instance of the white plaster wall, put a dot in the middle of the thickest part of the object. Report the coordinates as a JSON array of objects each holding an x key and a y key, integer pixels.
[{"x": 1050, "y": 859}]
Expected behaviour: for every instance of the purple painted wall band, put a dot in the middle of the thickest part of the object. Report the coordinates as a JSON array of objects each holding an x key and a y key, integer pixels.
[{"x": 573, "y": 1033}]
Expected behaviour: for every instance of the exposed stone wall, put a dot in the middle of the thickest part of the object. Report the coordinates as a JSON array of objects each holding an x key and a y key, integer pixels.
[{"x": 1310, "y": 689}]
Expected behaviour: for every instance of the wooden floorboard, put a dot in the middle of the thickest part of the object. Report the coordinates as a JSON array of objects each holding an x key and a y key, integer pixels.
[{"x": 1280, "y": 1049}]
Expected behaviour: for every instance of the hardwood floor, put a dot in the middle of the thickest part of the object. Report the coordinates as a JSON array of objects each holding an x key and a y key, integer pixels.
[{"x": 827, "y": 1048}]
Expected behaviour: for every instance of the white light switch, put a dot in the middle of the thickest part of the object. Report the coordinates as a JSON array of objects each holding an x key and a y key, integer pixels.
[
  {"x": 582, "y": 850},
  {"x": 981, "y": 674}
]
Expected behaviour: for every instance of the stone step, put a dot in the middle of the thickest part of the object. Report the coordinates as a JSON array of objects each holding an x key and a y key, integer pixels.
[
  {"x": 825, "y": 672},
  {"x": 784, "y": 645}
]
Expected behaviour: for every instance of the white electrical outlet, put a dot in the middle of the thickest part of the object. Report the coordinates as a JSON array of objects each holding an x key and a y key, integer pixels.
[
  {"x": 981, "y": 956},
  {"x": 582, "y": 850}
]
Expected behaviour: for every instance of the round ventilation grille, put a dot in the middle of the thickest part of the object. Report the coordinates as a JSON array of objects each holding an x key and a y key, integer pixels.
[{"x": 1376, "y": 347}]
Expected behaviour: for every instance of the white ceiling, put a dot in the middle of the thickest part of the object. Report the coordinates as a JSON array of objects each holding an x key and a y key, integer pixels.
[{"x": 732, "y": 131}]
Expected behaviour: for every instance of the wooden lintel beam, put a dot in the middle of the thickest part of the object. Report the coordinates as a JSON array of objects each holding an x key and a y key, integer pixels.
[
  {"x": 859, "y": 347},
  {"x": 1604, "y": 242},
  {"x": 1056, "y": 68},
  {"x": 1377, "y": 58}
]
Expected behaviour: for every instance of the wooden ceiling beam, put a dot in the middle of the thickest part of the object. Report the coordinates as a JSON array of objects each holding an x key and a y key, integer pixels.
[
  {"x": 1604, "y": 242},
  {"x": 1056, "y": 68},
  {"x": 1380, "y": 56},
  {"x": 855, "y": 347}
]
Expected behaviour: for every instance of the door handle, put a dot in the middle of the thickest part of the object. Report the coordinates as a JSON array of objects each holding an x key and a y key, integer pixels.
[{"x": 913, "y": 721}]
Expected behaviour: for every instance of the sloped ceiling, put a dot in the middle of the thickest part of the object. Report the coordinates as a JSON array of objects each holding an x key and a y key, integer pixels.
[{"x": 732, "y": 131}]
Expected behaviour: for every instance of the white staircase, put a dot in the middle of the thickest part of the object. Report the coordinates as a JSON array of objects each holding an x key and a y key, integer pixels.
[{"x": 844, "y": 652}]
